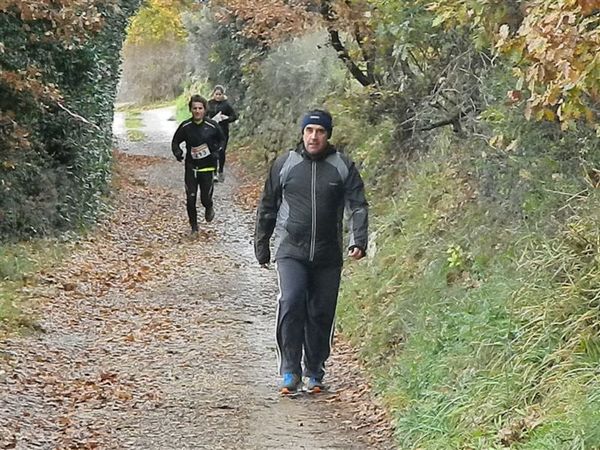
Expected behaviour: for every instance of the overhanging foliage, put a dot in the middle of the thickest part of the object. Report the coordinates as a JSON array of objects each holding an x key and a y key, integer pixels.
[{"x": 59, "y": 69}]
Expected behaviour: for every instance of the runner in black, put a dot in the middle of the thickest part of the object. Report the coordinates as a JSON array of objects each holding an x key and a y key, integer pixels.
[
  {"x": 221, "y": 111},
  {"x": 203, "y": 141}
]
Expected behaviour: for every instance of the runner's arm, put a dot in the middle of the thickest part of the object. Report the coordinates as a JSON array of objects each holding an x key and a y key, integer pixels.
[
  {"x": 266, "y": 215},
  {"x": 357, "y": 210},
  {"x": 231, "y": 114},
  {"x": 178, "y": 138}
]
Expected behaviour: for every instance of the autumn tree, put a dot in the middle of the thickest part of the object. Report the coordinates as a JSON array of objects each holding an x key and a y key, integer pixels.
[
  {"x": 156, "y": 60},
  {"x": 552, "y": 45},
  {"x": 425, "y": 59},
  {"x": 158, "y": 21},
  {"x": 267, "y": 22}
]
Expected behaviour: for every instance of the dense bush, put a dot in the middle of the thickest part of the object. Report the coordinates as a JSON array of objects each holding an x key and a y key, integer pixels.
[
  {"x": 57, "y": 89},
  {"x": 294, "y": 77},
  {"x": 221, "y": 55},
  {"x": 270, "y": 87}
]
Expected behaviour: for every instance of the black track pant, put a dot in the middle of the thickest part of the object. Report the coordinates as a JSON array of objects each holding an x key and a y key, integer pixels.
[
  {"x": 195, "y": 179},
  {"x": 305, "y": 315},
  {"x": 222, "y": 155}
]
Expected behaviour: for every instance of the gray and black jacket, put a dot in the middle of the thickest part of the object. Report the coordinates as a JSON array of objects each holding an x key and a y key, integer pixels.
[{"x": 303, "y": 202}]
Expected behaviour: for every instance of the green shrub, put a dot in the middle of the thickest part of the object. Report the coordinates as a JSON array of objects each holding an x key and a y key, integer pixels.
[
  {"x": 56, "y": 166},
  {"x": 478, "y": 310}
]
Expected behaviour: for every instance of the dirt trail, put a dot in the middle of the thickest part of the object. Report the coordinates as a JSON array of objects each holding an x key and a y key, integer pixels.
[{"x": 175, "y": 348}]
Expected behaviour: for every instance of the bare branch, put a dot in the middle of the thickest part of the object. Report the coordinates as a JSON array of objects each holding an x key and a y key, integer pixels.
[
  {"x": 342, "y": 53},
  {"x": 365, "y": 79},
  {"x": 78, "y": 117},
  {"x": 454, "y": 121}
]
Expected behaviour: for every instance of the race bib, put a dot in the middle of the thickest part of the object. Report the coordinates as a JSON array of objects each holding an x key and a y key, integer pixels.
[{"x": 200, "y": 151}]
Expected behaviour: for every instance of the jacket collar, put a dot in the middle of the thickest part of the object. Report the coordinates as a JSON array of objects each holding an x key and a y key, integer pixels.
[{"x": 330, "y": 149}]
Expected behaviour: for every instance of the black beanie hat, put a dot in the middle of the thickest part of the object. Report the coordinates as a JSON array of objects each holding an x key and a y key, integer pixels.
[{"x": 318, "y": 117}]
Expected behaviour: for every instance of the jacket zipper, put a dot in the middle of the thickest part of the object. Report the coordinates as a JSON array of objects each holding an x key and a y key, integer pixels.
[{"x": 313, "y": 188}]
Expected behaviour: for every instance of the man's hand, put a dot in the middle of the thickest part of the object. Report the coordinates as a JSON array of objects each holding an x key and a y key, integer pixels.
[
  {"x": 356, "y": 253},
  {"x": 265, "y": 266}
]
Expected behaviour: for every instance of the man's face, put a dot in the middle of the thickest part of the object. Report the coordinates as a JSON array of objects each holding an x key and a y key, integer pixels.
[
  {"x": 315, "y": 139},
  {"x": 198, "y": 111}
]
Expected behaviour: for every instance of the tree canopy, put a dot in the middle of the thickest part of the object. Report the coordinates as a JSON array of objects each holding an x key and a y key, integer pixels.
[{"x": 550, "y": 45}]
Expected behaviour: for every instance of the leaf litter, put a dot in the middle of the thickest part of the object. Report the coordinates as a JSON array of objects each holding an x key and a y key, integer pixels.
[{"x": 155, "y": 340}]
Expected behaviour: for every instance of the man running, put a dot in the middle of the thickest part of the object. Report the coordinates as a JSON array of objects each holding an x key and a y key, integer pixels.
[{"x": 203, "y": 141}]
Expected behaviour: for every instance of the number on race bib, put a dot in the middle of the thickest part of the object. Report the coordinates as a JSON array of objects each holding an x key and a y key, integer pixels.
[{"x": 199, "y": 152}]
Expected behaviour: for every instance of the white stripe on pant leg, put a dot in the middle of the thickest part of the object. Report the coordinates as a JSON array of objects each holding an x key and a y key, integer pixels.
[
  {"x": 279, "y": 295},
  {"x": 331, "y": 332}
]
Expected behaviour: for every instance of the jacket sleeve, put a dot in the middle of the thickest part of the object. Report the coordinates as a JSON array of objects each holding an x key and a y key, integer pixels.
[
  {"x": 211, "y": 110},
  {"x": 357, "y": 209},
  {"x": 178, "y": 138},
  {"x": 217, "y": 140},
  {"x": 231, "y": 114},
  {"x": 266, "y": 215},
  {"x": 220, "y": 137}
]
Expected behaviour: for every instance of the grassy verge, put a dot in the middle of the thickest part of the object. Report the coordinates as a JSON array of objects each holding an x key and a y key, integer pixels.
[
  {"x": 182, "y": 111},
  {"x": 18, "y": 265},
  {"x": 480, "y": 323},
  {"x": 136, "y": 108},
  {"x": 200, "y": 87},
  {"x": 135, "y": 135},
  {"x": 133, "y": 118},
  {"x": 133, "y": 123}
]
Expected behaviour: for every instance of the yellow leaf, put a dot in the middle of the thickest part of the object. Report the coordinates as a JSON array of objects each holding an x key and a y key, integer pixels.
[
  {"x": 525, "y": 174},
  {"x": 549, "y": 115}
]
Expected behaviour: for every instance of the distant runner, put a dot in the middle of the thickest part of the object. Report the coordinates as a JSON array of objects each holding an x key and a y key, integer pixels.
[{"x": 222, "y": 112}]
